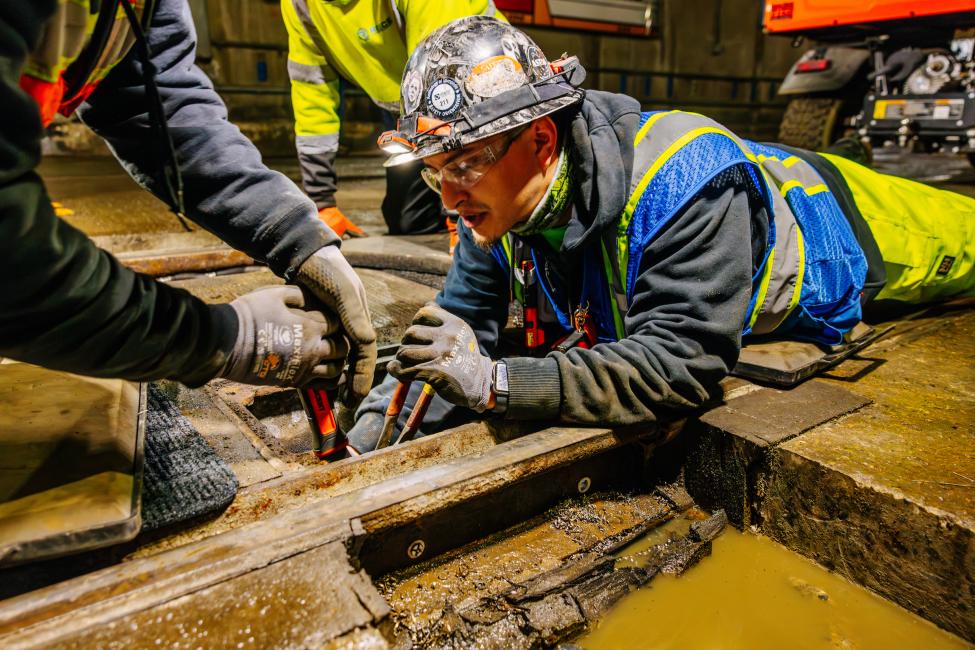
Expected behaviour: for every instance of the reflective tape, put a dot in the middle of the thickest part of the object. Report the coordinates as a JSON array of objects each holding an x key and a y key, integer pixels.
[
  {"x": 313, "y": 144},
  {"x": 309, "y": 74}
]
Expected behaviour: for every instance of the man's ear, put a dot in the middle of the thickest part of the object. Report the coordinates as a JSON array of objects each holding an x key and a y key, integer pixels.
[{"x": 546, "y": 138}]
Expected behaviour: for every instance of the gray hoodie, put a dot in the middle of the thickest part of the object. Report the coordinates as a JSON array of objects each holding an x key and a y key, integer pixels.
[{"x": 683, "y": 327}]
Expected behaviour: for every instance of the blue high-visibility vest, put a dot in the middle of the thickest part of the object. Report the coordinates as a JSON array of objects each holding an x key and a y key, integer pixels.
[{"x": 813, "y": 272}]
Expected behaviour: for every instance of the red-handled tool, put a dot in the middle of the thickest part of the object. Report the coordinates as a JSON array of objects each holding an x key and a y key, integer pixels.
[
  {"x": 534, "y": 334},
  {"x": 317, "y": 398}
]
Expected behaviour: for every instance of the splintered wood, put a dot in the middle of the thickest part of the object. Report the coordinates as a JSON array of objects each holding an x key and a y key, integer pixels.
[{"x": 506, "y": 592}]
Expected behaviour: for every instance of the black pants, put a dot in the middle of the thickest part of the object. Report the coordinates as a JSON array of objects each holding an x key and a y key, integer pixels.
[{"x": 410, "y": 206}]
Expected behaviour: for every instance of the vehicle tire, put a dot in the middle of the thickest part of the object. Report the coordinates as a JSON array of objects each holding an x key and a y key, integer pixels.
[{"x": 811, "y": 123}]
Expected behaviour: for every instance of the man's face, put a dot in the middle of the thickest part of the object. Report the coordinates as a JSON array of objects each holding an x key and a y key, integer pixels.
[{"x": 509, "y": 183}]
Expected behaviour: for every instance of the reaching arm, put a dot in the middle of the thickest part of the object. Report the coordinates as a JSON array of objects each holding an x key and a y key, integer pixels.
[
  {"x": 470, "y": 292},
  {"x": 228, "y": 189},
  {"x": 64, "y": 303}
]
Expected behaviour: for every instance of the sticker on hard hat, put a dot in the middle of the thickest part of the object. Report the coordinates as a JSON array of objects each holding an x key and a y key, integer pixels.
[
  {"x": 443, "y": 98},
  {"x": 412, "y": 92},
  {"x": 496, "y": 75}
]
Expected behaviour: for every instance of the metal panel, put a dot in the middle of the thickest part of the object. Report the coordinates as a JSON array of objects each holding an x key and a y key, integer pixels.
[
  {"x": 626, "y": 12},
  {"x": 71, "y": 455}
]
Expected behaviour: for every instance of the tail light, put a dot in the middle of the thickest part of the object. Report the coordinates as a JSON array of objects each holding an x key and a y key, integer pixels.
[{"x": 813, "y": 65}]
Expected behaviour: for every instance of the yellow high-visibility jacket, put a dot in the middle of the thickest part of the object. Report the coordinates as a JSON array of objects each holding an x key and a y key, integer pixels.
[{"x": 366, "y": 42}]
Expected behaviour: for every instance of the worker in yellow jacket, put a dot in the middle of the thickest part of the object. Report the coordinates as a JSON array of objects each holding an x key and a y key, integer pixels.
[{"x": 366, "y": 43}]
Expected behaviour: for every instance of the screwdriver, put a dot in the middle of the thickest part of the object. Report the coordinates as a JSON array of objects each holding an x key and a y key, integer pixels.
[
  {"x": 417, "y": 414},
  {"x": 392, "y": 412}
]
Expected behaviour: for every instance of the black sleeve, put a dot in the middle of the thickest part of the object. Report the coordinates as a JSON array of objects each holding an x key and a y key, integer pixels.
[
  {"x": 64, "y": 303},
  {"x": 318, "y": 176},
  {"x": 228, "y": 189},
  {"x": 683, "y": 327}
]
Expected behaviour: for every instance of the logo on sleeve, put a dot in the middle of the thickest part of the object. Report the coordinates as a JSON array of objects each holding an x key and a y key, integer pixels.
[{"x": 946, "y": 263}]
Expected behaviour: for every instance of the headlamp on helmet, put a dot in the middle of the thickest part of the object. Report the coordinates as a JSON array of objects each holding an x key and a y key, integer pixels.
[
  {"x": 409, "y": 131},
  {"x": 395, "y": 142}
]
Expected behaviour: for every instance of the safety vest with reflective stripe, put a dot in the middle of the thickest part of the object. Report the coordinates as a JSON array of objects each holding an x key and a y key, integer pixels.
[
  {"x": 82, "y": 42},
  {"x": 813, "y": 269},
  {"x": 366, "y": 43}
]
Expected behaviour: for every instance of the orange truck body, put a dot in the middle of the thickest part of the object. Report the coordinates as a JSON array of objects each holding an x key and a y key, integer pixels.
[{"x": 795, "y": 16}]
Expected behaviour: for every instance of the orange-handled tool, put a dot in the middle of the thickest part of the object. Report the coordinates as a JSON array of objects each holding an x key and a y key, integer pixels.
[
  {"x": 392, "y": 412},
  {"x": 417, "y": 414},
  {"x": 316, "y": 398}
]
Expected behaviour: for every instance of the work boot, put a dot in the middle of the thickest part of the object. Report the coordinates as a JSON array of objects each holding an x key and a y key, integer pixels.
[
  {"x": 454, "y": 237},
  {"x": 339, "y": 223}
]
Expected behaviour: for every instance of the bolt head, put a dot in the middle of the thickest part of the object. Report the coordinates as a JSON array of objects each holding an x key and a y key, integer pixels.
[
  {"x": 415, "y": 549},
  {"x": 584, "y": 484}
]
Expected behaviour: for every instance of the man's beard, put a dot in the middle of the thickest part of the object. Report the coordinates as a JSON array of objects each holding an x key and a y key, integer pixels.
[{"x": 484, "y": 243}]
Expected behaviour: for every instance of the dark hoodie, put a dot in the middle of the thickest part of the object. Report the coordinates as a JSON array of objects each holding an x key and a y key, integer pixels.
[
  {"x": 683, "y": 327},
  {"x": 66, "y": 304}
]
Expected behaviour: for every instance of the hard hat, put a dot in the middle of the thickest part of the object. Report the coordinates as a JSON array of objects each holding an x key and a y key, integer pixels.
[{"x": 471, "y": 79}]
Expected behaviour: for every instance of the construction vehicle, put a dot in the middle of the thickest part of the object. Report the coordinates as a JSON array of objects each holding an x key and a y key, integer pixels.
[{"x": 885, "y": 71}]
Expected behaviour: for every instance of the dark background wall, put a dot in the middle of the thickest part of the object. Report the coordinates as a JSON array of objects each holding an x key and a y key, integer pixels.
[{"x": 708, "y": 56}]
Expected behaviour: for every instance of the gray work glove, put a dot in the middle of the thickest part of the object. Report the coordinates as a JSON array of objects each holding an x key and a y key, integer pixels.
[
  {"x": 441, "y": 349},
  {"x": 328, "y": 275},
  {"x": 282, "y": 343}
]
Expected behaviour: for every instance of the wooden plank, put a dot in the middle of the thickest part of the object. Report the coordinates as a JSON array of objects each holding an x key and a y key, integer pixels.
[
  {"x": 770, "y": 416},
  {"x": 328, "y": 480},
  {"x": 559, "y": 604},
  {"x": 72, "y": 609},
  {"x": 398, "y": 253},
  {"x": 286, "y": 604},
  {"x": 200, "y": 260}
]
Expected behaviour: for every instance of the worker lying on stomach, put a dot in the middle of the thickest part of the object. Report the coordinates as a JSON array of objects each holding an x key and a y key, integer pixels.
[
  {"x": 654, "y": 241},
  {"x": 67, "y": 305}
]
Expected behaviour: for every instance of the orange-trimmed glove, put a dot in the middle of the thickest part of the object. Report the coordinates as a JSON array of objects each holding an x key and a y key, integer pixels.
[
  {"x": 339, "y": 223},
  {"x": 454, "y": 237}
]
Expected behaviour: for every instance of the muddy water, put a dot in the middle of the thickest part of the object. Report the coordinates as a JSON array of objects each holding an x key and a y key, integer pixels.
[{"x": 754, "y": 594}]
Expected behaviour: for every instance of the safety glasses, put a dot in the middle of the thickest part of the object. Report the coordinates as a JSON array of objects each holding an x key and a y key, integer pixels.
[{"x": 467, "y": 171}]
